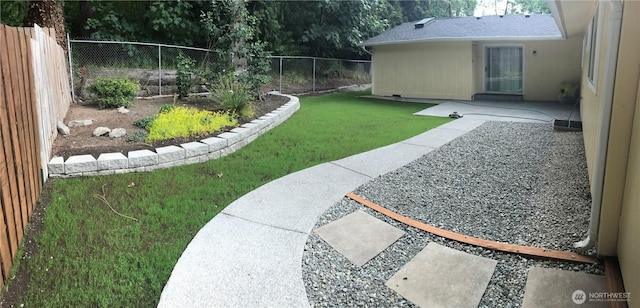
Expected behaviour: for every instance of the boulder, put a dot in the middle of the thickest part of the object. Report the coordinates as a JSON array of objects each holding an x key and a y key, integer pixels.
[
  {"x": 63, "y": 129},
  {"x": 117, "y": 133},
  {"x": 79, "y": 123},
  {"x": 123, "y": 110},
  {"x": 101, "y": 131}
]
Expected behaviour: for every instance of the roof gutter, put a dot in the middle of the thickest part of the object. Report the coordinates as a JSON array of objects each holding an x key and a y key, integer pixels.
[
  {"x": 364, "y": 47},
  {"x": 602, "y": 143},
  {"x": 468, "y": 39}
]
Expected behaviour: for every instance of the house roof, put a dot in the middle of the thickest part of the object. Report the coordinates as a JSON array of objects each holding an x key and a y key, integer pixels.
[{"x": 498, "y": 28}]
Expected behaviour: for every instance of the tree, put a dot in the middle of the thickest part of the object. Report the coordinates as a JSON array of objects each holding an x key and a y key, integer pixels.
[
  {"x": 12, "y": 12},
  {"x": 48, "y": 14},
  {"x": 529, "y": 7},
  {"x": 233, "y": 43}
]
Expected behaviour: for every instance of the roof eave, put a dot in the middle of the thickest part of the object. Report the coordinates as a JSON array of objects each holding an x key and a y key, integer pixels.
[
  {"x": 466, "y": 39},
  {"x": 556, "y": 12}
]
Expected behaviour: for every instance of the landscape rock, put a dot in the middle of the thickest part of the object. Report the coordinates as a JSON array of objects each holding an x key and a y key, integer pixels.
[
  {"x": 101, "y": 131},
  {"x": 63, "y": 129},
  {"x": 123, "y": 110},
  {"x": 117, "y": 133},
  {"x": 79, "y": 123}
]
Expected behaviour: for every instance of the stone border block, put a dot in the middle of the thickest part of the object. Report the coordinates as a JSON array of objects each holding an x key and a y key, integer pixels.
[
  {"x": 170, "y": 153},
  {"x": 142, "y": 158},
  {"x": 56, "y": 165},
  {"x": 195, "y": 148},
  {"x": 80, "y": 163},
  {"x": 215, "y": 143},
  {"x": 112, "y": 161},
  {"x": 243, "y": 131},
  {"x": 231, "y": 137}
]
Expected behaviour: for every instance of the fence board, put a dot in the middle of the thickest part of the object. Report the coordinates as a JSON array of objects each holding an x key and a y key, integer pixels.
[
  {"x": 32, "y": 166},
  {"x": 33, "y": 163},
  {"x": 5, "y": 197},
  {"x": 22, "y": 133},
  {"x": 16, "y": 130},
  {"x": 31, "y": 174},
  {"x": 9, "y": 182}
]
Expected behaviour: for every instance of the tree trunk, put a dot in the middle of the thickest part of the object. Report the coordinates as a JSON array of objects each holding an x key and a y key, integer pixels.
[
  {"x": 86, "y": 12},
  {"x": 48, "y": 14}
]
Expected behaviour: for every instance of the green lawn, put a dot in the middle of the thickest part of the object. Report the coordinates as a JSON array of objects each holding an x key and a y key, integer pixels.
[{"x": 89, "y": 256}]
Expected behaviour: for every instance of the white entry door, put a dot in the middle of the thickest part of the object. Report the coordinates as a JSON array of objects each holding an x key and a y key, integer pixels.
[{"x": 503, "y": 71}]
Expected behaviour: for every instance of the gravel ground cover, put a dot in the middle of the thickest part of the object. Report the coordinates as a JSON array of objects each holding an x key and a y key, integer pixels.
[{"x": 521, "y": 183}]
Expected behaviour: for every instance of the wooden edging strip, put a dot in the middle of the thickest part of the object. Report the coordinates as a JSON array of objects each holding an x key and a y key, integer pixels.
[
  {"x": 506, "y": 247},
  {"x": 613, "y": 280}
]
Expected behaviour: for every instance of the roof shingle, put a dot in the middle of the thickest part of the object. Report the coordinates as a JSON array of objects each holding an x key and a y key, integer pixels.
[{"x": 507, "y": 27}]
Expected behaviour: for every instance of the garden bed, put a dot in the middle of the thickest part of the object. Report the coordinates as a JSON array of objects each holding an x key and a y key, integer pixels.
[{"x": 81, "y": 140}]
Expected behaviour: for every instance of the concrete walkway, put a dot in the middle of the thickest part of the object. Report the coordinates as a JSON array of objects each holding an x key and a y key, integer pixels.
[{"x": 250, "y": 254}]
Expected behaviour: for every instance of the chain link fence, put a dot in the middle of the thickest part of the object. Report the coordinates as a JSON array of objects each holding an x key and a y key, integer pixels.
[
  {"x": 154, "y": 66},
  {"x": 300, "y": 75}
]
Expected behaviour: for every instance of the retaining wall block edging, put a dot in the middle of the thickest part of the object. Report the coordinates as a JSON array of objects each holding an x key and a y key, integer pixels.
[{"x": 173, "y": 155}]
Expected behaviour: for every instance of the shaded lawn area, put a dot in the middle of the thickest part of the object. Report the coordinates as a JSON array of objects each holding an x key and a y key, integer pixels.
[{"x": 89, "y": 256}]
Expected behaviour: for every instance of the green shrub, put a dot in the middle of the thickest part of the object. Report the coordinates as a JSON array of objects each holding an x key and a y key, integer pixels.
[
  {"x": 137, "y": 136},
  {"x": 247, "y": 111},
  {"x": 114, "y": 92},
  {"x": 232, "y": 94},
  {"x": 184, "y": 79},
  {"x": 145, "y": 122},
  {"x": 166, "y": 108},
  {"x": 185, "y": 122}
]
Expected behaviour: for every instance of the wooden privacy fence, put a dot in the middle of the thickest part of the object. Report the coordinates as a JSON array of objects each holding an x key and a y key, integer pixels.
[{"x": 33, "y": 97}]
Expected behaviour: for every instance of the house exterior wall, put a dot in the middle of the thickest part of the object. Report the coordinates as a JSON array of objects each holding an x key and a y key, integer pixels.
[
  {"x": 620, "y": 211},
  {"x": 628, "y": 249},
  {"x": 627, "y": 94},
  {"x": 553, "y": 62},
  {"x": 440, "y": 70},
  {"x": 591, "y": 96},
  {"x": 622, "y": 111}
]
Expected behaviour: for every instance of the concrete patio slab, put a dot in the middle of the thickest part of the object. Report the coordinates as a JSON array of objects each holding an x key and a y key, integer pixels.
[
  {"x": 359, "y": 236},
  {"x": 548, "y": 287},
  {"x": 439, "y": 276},
  {"x": 536, "y": 112},
  {"x": 233, "y": 262},
  {"x": 466, "y": 125}
]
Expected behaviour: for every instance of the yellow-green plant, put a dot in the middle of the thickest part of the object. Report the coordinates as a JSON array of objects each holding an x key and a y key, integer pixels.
[
  {"x": 247, "y": 111},
  {"x": 185, "y": 122}
]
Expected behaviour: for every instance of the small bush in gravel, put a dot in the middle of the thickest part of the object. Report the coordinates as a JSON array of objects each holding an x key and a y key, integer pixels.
[{"x": 114, "y": 92}]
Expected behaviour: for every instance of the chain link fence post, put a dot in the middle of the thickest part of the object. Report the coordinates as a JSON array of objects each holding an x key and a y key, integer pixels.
[
  {"x": 159, "y": 70},
  {"x": 280, "y": 88}
]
